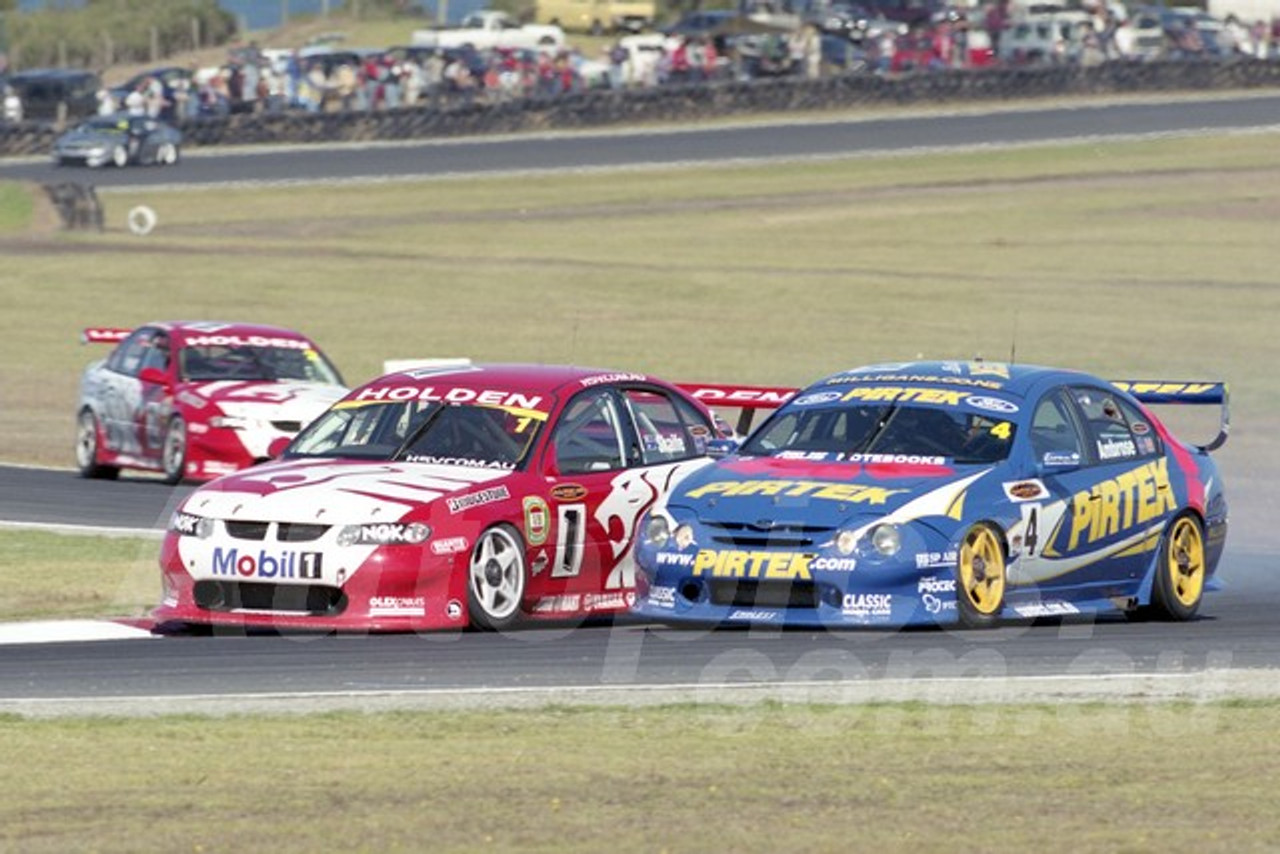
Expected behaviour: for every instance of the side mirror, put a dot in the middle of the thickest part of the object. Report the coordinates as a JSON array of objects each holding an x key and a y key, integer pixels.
[
  {"x": 154, "y": 376},
  {"x": 277, "y": 446},
  {"x": 1059, "y": 461},
  {"x": 718, "y": 448}
]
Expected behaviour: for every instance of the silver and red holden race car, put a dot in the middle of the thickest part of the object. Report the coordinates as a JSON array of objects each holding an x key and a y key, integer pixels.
[
  {"x": 438, "y": 498},
  {"x": 197, "y": 400}
]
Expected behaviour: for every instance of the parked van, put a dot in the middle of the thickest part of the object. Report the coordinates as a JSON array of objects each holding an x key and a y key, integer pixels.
[
  {"x": 597, "y": 16},
  {"x": 43, "y": 90}
]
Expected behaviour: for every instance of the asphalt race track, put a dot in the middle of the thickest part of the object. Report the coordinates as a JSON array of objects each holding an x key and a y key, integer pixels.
[
  {"x": 818, "y": 138},
  {"x": 1228, "y": 651}
]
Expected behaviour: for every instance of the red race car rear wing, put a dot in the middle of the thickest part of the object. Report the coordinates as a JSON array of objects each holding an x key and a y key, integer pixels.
[
  {"x": 1159, "y": 392},
  {"x": 747, "y": 398},
  {"x": 103, "y": 335}
]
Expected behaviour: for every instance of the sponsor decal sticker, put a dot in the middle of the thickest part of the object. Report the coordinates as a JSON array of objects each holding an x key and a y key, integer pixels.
[
  {"x": 558, "y": 605},
  {"x": 1045, "y": 609},
  {"x": 397, "y": 606},
  {"x": 934, "y": 605},
  {"x": 605, "y": 601},
  {"x": 602, "y": 379},
  {"x": 757, "y": 616},
  {"x": 1133, "y": 498},
  {"x": 833, "y": 564},
  {"x": 1116, "y": 448},
  {"x": 991, "y": 404},
  {"x": 287, "y": 564},
  {"x": 453, "y": 610},
  {"x": 817, "y": 397},
  {"x": 934, "y": 584},
  {"x": 865, "y": 606},
  {"x": 674, "y": 559},
  {"x": 483, "y": 397},
  {"x": 929, "y": 560},
  {"x": 662, "y": 597},
  {"x": 828, "y": 490},
  {"x": 537, "y": 520},
  {"x": 449, "y": 546},
  {"x": 780, "y": 566},
  {"x": 476, "y": 499},
  {"x": 1025, "y": 490},
  {"x": 569, "y": 492},
  {"x": 246, "y": 341}
]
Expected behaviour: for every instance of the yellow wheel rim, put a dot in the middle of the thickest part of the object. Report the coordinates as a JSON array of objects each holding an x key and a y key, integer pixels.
[
  {"x": 981, "y": 570},
  {"x": 1185, "y": 562}
]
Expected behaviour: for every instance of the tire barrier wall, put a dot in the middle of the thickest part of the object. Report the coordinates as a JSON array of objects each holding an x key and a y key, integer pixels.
[{"x": 602, "y": 108}]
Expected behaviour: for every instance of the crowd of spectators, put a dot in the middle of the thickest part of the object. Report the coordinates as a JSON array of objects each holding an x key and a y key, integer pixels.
[{"x": 330, "y": 78}]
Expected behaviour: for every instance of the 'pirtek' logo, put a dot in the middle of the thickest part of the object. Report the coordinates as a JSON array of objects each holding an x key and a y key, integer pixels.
[
  {"x": 1139, "y": 495},
  {"x": 823, "y": 489},
  {"x": 902, "y": 394},
  {"x": 778, "y": 566},
  {"x": 284, "y": 565}
]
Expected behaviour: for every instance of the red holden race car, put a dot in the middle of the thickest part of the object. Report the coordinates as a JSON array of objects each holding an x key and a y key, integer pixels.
[
  {"x": 442, "y": 497},
  {"x": 197, "y": 400}
]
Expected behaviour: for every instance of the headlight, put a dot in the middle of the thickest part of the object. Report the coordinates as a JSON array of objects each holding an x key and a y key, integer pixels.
[
  {"x": 683, "y": 536},
  {"x": 384, "y": 534},
  {"x": 846, "y": 542},
  {"x": 886, "y": 539},
  {"x": 191, "y": 525},
  {"x": 656, "y": 530},
  {"x": 230, "y": 422}
]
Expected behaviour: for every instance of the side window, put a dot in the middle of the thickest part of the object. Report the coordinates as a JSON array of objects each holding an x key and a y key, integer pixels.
[
  {"x": 128, "y": 357},
  {"x": 588, "y": 437},
  {"x": 156, "y": 354},
  {"x": 1052, "y": 431},
  {"x": 663, "y": 434},
  {"x": 1109, "y": 435}
]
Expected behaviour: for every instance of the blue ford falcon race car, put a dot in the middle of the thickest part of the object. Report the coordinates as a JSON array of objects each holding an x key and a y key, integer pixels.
[{"x": 945, "y": 492}]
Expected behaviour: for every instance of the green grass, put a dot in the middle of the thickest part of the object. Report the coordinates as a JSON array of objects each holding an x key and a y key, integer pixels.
[
  {"x": 47, "y": 575},
  {"x": 16, "y": 207},
  {"x": 1152, "y": 258},
  {"x": 686, "y": 778}
]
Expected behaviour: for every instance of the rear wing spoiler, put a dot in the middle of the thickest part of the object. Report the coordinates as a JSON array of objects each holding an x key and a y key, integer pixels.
[
  {"x": 103, "y": 335},
  {"x": 1159, "y": 392},
  {"x": 747, "y": 398}
]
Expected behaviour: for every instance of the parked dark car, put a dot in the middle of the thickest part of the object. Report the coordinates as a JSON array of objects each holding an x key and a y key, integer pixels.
[
  {"x": 42, "y": 90},
  {"x": 119, "y": 140}
]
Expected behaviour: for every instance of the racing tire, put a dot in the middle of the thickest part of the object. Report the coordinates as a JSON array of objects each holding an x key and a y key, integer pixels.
[
  {"x": 1178, "y": 586},
  {"x": 167, "y": 154},
  {"x": 120, "y": 156},
  {"x": 497, "y": 579},
  {"x": 980, "y": 577},
  {"x": 88, "y": 440},
  {"x": 173, "y": 453}
]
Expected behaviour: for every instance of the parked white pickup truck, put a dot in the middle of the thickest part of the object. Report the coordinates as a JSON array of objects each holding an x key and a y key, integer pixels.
[{"x": 490, "y": 28}]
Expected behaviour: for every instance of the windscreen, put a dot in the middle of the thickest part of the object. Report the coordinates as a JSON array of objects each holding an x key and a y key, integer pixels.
[
  {"x": 418, "y": 431},
  {"x": 244, "y": 362},
  {"x": 890, "y": 433}
]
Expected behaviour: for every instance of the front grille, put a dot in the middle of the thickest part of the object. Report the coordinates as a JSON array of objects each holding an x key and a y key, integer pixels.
[
  {"x": 247, "y": 530},
  {"x": 315, "y": 600},
  {"x": 781, "y": 535},
  {"x": 287, "y": 426},
  {"x": 764, "y": 594},
  {"x": 299, "y": 532}
]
